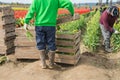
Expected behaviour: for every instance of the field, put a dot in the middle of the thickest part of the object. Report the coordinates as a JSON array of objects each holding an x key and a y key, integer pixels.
[
  {"x": 94, "y": 63},
  {"x": 90, "y": 67}
]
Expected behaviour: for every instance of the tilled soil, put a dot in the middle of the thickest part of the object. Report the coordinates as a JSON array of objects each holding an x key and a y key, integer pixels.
[{"x": 92, "y": 66}]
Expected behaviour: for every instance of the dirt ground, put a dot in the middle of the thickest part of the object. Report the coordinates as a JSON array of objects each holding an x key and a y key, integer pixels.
[{"x": 97, "y": 66}]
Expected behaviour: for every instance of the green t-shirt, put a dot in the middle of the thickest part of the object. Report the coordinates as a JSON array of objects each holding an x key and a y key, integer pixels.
[{"x": 45, "y": 11}]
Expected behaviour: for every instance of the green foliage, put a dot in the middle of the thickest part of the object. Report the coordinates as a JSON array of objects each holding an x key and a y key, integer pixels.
[
  {"x": 116, "y": 39},
  {"x": 29, "y": 35},
  {"x": 71, "y": 27},
  {"x": 3, "y": 59},
  {"x": 91, "y": 37}
]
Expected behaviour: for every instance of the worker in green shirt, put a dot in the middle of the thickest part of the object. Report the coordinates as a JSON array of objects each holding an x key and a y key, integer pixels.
[{"x": 45, "y": 14}]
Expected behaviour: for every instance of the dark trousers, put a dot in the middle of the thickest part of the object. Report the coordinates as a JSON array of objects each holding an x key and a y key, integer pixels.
[
  {"x": 106, "y": 36},
  {"x": 45, "y": 37}
]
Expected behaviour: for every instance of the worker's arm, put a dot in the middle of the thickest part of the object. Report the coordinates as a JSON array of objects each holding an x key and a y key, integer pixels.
[
  {"x": 31, "y": 12},
  {"x": 67, "y": 4}
]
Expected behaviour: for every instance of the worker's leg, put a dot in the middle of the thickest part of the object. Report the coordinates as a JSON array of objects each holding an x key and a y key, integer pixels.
[
  {"x": 50, "y": 38},
  {"x": 41, "y": 45},
  {"x": 106, "y": 35}
]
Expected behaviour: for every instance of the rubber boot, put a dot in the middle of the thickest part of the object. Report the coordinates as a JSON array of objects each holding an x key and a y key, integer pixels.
[
  {"x": 42, "y": 58},
  {"x": 51, "y": 55},
  {"x": 107, "y": 46}
]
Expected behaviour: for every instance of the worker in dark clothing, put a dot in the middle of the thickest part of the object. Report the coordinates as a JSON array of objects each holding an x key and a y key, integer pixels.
[{"x": 107, "y": 20}]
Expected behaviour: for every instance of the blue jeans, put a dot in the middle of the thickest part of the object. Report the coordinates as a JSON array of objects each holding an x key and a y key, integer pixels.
[{"x": 45, "y": 37}]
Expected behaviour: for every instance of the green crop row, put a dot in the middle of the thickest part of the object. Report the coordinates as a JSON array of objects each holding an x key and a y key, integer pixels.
[
  {"x": 92, "y": 34},
  {"x": 116, "y": 38}
]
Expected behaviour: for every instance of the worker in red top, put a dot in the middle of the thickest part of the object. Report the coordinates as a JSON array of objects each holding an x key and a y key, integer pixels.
[{"x": 107, "y": 20}]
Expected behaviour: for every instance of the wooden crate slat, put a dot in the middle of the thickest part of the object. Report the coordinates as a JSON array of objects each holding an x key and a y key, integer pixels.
[
  {"x": 77, "y": 34},
  {"x": 66, "y": 50},
  {"x": 65, "y": 61},
  {"x": 67, "y": 43},
  {"x": 77, "y": 41},
  {"x": 65, "y": 36},
  {"x": 68, "y": 36},
  {"x": 20, "y": 32},
  {"x": 64, "y": 43},
  {"x": 7, "y": 20},
  {"x": 68, "y": 59},
  {"x": 27, "y": 53},
  {"x": 7, "y": 51},
  {"x": 64, "y": 56},
  {"x": 6, "y": 10},
  {"x": 5, "y": 47},
  {"x": 8, "y": 38},
  {"x": 24, "y": 41},
  {"x": 8, "y": 27},
  {"x": 4, "y": 35}
]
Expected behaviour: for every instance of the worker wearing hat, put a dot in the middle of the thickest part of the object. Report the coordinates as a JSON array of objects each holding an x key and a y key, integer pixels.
[{"x": 107, "y": 20}]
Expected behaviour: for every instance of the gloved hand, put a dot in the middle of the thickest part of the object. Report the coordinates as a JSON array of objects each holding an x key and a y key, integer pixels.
[
  {"x": 116, "y": 32},
  {"x": 76, "y": 16},
  {"x": 25, "y": 27}
]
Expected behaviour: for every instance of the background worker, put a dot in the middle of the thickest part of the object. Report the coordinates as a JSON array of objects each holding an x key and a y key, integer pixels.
[
  {"x": 45, "y": 13},
  {"x": 107, "y": 20}
]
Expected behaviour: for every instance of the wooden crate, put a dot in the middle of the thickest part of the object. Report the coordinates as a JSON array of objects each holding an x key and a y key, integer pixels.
[{"x": 68, "y": 48}]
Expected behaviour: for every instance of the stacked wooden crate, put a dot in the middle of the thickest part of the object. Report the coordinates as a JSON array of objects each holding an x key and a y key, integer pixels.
[
  {"x": 7, "y": 30},
  {"x": 25, "y": 48},
  {"x": 68, "y": 48}
]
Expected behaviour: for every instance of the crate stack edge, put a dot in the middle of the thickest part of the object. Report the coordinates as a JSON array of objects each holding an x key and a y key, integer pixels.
[{"x": 7, "y": 30}]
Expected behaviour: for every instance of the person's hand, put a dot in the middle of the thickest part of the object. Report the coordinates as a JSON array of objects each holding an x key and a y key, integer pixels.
[
  {"x": 117, "y": 21},
  {"x": 25, "y": 27},
  {"x": 76, "y": 16},
  {"x": 117, "y": 32}
]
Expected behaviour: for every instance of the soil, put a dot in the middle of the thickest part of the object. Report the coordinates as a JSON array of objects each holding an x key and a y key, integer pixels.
[{"x": 92, "y": 66}]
